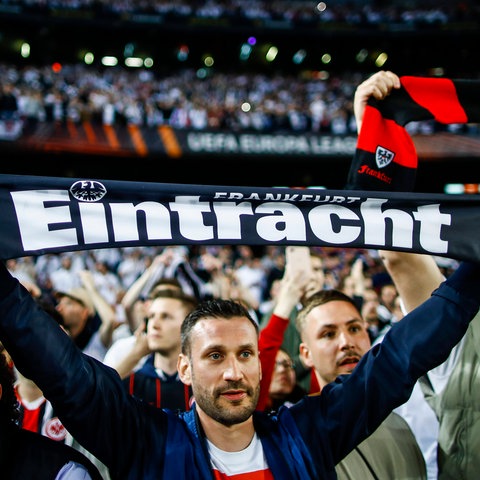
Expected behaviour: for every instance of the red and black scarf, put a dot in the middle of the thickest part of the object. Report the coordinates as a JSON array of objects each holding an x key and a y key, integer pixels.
[{"x": 385, "y": 158}]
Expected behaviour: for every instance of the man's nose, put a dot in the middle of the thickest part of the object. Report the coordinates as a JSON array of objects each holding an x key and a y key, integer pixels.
[
  {"x": 233, "y": 370},
  {"x": 345, "y": 340}
]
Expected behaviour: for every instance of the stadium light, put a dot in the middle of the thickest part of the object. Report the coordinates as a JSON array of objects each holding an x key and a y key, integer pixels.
[
  {"x": 109, "y": 61},
  {"x": 134, "y": 62}
]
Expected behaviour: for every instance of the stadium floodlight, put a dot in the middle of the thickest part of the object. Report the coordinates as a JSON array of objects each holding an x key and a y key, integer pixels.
[{"x": 109, "y": 61}]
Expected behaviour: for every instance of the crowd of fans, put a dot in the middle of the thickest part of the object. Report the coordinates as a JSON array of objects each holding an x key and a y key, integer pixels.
[
  {"x": 247, "y": 273},
  {"x": 88, "y": 290},
  {"x": 186, "y": 99},
  {"x": 182, "y": 100},
  {"x": 221, "y": 101},
  {"x": 363, "y": 14}
]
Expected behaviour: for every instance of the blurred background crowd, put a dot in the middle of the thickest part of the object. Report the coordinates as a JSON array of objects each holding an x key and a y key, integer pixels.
[
  {"x": 70, "y": 69},
  {"x": 248, "y": 273}
]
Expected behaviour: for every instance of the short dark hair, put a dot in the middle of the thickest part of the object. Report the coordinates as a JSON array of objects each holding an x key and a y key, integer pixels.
[
  {"x": 9, "y": 406},
  {"x": 216, "y": 308},
  {"x": 320, "y": 298},
  {"x": 188, "y": 301},
  {"x": 163, "y": 284}
]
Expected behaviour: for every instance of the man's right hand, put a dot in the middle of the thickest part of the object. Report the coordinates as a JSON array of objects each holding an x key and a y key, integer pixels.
[{"x": 378, "y": 86}]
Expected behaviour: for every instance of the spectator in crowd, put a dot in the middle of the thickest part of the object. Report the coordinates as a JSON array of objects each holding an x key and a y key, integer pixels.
[
  {"x": 131, "y": 266},
  {"x": 106, "y": 282},
  {"x": 369, "y": 311},
  {"x": 23, "y": 269},
  {"x": 173, "y": 262},
  {"x": 334, "y": 340},
  {"x": 25, "y": 454},
  {"x": 391, "y": 451},
  {"x": 387, "y": 296},
  {"x": 250, "y": 273},
  {"x": 268, "y": 304},
  {"x": 135, "y": 303},
  {"x": 87, "y": 316},
  {"x": 8, "y": 102},
  {"x": 364, "y": 14},
  {"x": 416, "y": 276},
  {"x": 157, "y": 381},
  {"x": 448, "y": 426},
  {"x": 105, "y": 311},
  {"x": 291, "y": 338},
  {"x": 66, "y": 277},
  {"x": 279, "y": 385},
  {"x": 353, "y": 283},
  {"x": 130, "y": 350},
  {"x": 220, "y": 361},
  {"x": 37, "y": 415},
  {"x": 78, "y": 312},
  {"x": 284, "y": 389},
  {"x": 96, "y": 90}
]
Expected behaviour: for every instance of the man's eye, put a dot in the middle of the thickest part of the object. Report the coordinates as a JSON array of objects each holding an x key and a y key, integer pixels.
[
  {"x": 246, "y": 354},
  {"x": 214, "y": 356}
]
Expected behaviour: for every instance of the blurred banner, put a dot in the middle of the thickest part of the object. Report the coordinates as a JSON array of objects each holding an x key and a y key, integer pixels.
[
  {"x": 133, "y": 140},
  {"x": 139, "y": 141},
  {"x": 49, "y": 214}
]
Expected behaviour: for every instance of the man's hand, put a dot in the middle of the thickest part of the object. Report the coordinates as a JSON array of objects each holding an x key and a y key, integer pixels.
[
  {"x": 292, "y": 288},
  {"x": 378, "y": 86}
]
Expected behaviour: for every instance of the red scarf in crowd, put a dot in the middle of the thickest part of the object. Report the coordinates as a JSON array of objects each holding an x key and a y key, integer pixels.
[{"x": 385, "y": 158}]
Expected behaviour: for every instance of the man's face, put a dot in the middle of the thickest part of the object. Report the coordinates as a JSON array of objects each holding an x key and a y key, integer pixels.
[
  {"x": 283, "y": 378},
  {"x": 223, "y": 369},
  {"x": 165, "y": 317},
  {"x": 74, "y": 314},
  {"x": 388, "y": 295},
  {"x": 334, "y": 339},
  {"x": 370, "y": 306}
]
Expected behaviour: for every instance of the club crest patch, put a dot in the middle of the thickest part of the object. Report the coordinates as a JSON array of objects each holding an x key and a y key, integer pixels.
[
  {"x": 383, "y": 156},
  {"x": 88, "y": 190},
  {"x": 55, "y": 430}
]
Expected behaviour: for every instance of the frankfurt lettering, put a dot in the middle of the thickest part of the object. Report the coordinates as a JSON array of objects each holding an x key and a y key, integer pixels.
[
  {"x": 53, "y": 219},
  {"x": 366, "y": 170},
  {"x": 286, "y": 197}
]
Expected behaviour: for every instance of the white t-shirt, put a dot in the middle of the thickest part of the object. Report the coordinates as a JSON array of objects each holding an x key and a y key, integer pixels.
[
  {"x": 95, "y": 347},
  {"x": 250, "y": 463}
]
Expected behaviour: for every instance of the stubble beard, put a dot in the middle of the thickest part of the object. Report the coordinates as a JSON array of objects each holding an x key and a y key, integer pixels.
[{"x": 220, "y": 409}]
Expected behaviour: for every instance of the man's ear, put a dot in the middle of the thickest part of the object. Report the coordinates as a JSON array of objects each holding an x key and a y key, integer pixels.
[
  {"x": 305, "y": 355},
  {"x": 184, "y": 369}
]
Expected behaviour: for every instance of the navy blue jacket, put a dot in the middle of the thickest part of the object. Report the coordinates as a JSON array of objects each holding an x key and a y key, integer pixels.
[
  {"x": 138, "y": 441},
  {"x": 166, "y": 391}
]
